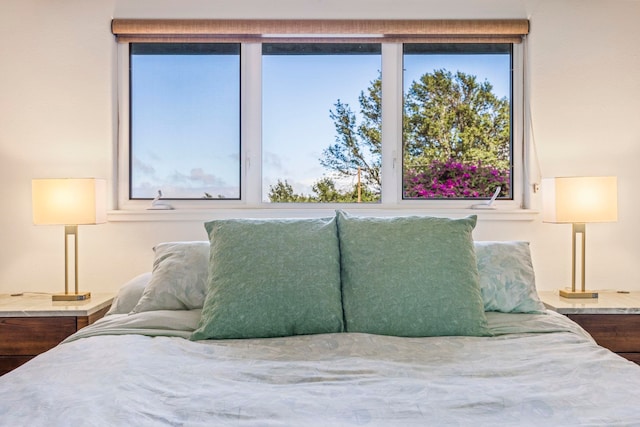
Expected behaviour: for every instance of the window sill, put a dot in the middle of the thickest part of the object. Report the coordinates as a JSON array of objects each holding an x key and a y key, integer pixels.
[{"x": 201, "y": 215}]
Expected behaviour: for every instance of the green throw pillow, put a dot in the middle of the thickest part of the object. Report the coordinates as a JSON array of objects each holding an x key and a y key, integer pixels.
[
  {"x": 410, "y": 276},
  {"x": 272, "y": 278}
]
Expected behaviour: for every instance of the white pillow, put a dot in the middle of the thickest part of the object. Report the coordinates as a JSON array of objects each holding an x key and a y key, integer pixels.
[
  {"x": 179, "y": 277},
  {"x": 129, "y": 294},
  {"x": 507, "y": 280}
]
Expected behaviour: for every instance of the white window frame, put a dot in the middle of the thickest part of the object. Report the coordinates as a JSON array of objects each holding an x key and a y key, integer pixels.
[{"x": 251, "y": 150}]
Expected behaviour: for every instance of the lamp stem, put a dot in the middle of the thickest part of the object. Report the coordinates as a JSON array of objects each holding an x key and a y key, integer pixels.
[
  {"x": 67, "y": 296},
  {"x": 68, "y": 231},
  {"x": 578, "y": 228}
]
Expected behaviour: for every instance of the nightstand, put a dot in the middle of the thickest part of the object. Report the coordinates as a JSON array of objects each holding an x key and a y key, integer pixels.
[
  {"x": 32, "y": 324},
  {"x": 612, "y": 319}
]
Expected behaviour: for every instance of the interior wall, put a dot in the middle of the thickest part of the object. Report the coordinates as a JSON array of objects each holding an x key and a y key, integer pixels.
[{"x": 58, "y": 119}]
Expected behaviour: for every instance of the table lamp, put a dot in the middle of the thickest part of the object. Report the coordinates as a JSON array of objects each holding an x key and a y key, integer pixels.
[
  {"x": 579, "y": 200},
  {"x": 69, "y": 202}
]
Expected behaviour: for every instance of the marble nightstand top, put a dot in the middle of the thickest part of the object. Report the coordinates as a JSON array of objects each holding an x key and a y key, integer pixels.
[
  {"x": 608, "y": 302},
  {"x": 40, "y": 305}
]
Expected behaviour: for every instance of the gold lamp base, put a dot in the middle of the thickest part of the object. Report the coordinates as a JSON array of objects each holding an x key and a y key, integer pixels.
[
  {"x": 72, "y": 297},
  {"x": 578, "y": 294}
]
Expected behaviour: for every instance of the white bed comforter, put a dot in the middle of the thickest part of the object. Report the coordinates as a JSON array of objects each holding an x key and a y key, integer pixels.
[{"x": 138, "y": 370}]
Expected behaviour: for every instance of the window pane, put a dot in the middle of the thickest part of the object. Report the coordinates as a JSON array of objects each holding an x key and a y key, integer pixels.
[
  {"x": 457, "y": 121},
  {"x": 321, "y": 122},
  {"x": 185, "y": 121}
]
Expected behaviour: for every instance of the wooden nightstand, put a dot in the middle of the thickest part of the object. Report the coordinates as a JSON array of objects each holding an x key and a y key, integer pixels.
[
  {"x": 32, "y": 324},
  {"x": 612, "y": 319}
]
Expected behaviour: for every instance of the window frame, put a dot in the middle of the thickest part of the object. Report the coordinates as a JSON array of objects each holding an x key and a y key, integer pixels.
[
  {"x": 197, "y": 51},
  {"x": 517, "y": 147},
  {"x": 251, "y": 133}
]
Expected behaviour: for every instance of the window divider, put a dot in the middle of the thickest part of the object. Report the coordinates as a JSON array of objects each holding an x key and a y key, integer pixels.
[
  {"x": 391, "y": 122},
  {"x": 251, "y": 123}
]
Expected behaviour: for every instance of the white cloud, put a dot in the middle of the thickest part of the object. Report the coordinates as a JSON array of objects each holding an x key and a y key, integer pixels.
[
  {"x": 199, "y": 175},
  {"x": 142, "y": 167}
]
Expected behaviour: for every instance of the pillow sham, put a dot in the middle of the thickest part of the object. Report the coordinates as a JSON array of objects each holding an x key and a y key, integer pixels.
[
  {"x": 507, "y": 280},
  {"x": 410, "y": 276},
  {"x": 179, "y": 277},
  {"x": 129, "y": 294},
  {"x": 271, "y": 278}
]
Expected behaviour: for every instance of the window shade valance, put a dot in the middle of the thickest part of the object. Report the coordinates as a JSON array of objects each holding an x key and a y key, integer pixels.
[{"x": 264, "y": 30}]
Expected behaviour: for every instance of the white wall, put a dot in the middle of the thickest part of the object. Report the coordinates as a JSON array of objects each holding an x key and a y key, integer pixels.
[{"x": 57, "y": 118}]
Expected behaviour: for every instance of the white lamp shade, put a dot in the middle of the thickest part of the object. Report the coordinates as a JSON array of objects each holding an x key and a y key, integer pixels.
[
  {"x": 580, "y": 199},
  {"x": 69, "y": 201}
]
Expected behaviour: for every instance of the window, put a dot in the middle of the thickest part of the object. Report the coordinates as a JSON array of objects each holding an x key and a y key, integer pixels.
[
  {"x": 185, "y": 121},
  {"x": 261, "y": 119},
  {"x": 309, "y": 92},
  {"x": 457, "y": 121}
]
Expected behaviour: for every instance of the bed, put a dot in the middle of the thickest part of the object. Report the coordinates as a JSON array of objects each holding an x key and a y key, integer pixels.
[{"x": 182, "y": 347}]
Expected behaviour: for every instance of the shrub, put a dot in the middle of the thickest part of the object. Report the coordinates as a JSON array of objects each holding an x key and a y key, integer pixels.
[{"x": 452, "y": 179}]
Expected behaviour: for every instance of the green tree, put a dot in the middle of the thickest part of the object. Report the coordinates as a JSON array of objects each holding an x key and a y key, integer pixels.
[
  {"x": 454, "y": 117},
  {"x": 282, "y": 192},
  {"x": 358, "y": 146},
  {"x": 447, "y": 117},
  {"x": 324, "y": 191}
]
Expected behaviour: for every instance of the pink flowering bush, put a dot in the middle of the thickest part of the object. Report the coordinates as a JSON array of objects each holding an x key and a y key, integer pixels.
[{"x": 452, "y": 179}]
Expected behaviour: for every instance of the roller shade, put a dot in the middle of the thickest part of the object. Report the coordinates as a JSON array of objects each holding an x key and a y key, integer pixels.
[{"x": 287, "y": 31}]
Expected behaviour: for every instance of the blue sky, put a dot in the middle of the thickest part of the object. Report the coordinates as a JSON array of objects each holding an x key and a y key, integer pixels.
[{"x": 186, "y": 130}]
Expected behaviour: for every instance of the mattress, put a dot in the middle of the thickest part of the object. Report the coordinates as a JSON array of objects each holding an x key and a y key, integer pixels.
[{"x": 141, "y": 369}]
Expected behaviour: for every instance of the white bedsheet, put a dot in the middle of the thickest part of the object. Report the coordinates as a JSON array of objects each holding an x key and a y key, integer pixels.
[{"x": 522, "y": 376}]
